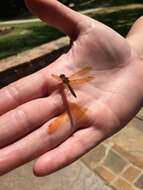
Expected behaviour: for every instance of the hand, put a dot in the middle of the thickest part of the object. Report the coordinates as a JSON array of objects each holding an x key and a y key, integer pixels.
[{"x": 41, "y": 119}]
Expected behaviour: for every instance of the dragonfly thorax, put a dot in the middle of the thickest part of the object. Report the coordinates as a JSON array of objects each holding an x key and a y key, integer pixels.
[{"x": 64, "y": 78}]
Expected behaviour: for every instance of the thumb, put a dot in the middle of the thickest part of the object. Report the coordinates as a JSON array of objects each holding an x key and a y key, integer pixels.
[{"x": 57, "y": 15}]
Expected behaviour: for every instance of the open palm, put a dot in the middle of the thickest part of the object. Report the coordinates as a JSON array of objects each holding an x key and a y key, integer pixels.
[{"x": 39, "y": 117}]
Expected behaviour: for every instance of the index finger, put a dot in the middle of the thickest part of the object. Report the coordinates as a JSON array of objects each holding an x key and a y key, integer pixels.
[
  {"x": 22, "y": 91},
  {"x": 37, "y": 85}
]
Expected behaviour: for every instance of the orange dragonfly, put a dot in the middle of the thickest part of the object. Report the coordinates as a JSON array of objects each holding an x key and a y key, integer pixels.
[{"x": 74, "y": 79}]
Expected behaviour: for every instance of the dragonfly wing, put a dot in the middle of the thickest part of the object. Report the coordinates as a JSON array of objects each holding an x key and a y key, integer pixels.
[
  {"x": 81, "y": 72},
  {"x": 56, "y": 77},
  {"x": 81, "y": 81}
]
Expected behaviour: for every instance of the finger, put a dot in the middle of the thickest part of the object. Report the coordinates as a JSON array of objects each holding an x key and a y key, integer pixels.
[
  {"x": 26, "y": 118},
  {"x": 31, "y": 87},
  {"x": 80, "y": 143},
  {"x": 26, "y": 89},
  {"x": 30, "y": 147},
  {"x": 47, "y": 137},
  {"x": 57, "y": 15}
]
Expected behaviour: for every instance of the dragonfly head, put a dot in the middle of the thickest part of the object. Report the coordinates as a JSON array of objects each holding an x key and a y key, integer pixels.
[{"x": 64, "y": 78}]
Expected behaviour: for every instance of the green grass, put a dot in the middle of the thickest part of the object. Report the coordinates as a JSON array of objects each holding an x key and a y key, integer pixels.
[
  {"x": 26, "y": 36},
  {"x": 24, "y": 15},
  {"x": 90, "y": 4}
]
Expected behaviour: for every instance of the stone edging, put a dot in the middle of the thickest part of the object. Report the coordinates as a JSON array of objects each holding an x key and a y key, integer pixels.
[{"x": 34, "y": 54}]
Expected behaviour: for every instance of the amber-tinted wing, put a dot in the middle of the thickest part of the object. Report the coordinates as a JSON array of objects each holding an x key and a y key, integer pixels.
[
  {"x": 81, "y": 81},
  {"x": 81, "y": 72}
]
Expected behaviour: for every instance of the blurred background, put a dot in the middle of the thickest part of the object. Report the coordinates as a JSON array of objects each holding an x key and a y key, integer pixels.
[
  {"x": 16, "y": 37},
  {"x": 27, "y": 45}
]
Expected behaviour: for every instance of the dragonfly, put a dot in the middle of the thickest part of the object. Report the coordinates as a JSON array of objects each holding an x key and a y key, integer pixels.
[{"x": 74, "y": 79}]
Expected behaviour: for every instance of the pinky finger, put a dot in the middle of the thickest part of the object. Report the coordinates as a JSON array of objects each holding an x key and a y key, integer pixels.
[{"x": 73, "y": 148}]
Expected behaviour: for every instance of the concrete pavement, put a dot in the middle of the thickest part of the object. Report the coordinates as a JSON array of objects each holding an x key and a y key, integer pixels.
[{"x": 74, "y": 177}]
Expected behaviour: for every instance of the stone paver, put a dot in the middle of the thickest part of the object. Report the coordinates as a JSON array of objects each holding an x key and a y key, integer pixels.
[
  {"x": 115, "y": 162},
  {"x": 130, "y": 139},
  {"x": 121, "y": 184},
  {"x": 140, "y": 115},
  {"x": 94, "y": 157},
  {"x": 131, "y": 173},
  {"x": 119, "y": 160},
  {"x": 74, "y": 177},
  {"x": 139, "y": 182},
  {"x": 105, "y": 173}
]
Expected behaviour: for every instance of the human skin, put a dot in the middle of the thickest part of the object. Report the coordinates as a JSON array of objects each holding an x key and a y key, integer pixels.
[{"x": 35, "y": 120}]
